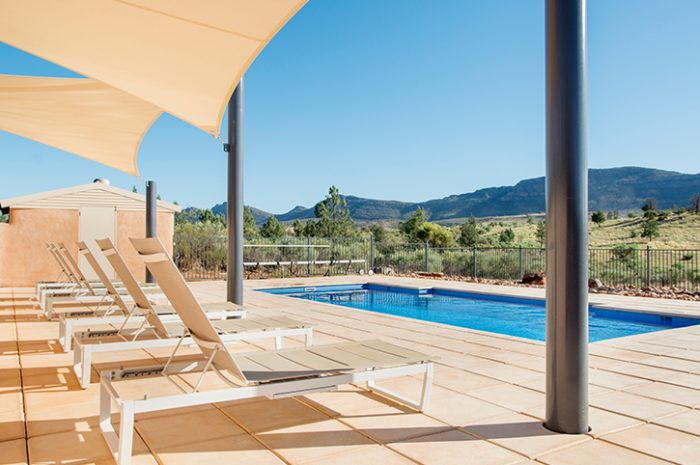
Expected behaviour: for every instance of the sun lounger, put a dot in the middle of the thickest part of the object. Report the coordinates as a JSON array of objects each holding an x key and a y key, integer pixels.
[
  {"x": 272, "y": 374},
  {"x": 93, "y": 297},
  {"x": 72, "y": 285},
  {"x": 155, "y": 332},
  {"x": 131, "y": 308}
]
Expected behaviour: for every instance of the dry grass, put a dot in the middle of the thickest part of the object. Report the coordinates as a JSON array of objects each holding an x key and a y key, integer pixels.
[{"x": 677, "y": 231}]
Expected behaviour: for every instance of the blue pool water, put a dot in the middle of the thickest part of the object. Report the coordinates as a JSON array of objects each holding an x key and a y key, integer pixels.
[{"x": 498, "y": 314}]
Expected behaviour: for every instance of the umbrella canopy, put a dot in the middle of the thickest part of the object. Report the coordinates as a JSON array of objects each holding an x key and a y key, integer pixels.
[
  {"x": 184, "y": 57},
  {"x": 81, "y": 116}
]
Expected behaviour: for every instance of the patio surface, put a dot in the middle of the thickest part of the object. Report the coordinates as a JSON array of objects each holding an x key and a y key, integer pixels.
[{"x": 486, "y": 407}]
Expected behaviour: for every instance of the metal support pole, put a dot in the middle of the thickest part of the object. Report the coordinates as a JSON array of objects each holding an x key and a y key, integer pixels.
[
  {"x": 371, "y": 254},
  {"x": 474, "y": 261},
  {"x": 234, "y": 207},
  {"x": 151, "y": 215},
  {"x": 567, "y": 218}
]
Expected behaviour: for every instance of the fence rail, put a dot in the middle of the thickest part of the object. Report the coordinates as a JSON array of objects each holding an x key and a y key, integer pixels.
[{"x": 205, "y": 258}]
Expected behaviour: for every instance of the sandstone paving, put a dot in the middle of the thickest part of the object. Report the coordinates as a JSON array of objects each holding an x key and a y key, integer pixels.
[{"x": 487, "y": 402}]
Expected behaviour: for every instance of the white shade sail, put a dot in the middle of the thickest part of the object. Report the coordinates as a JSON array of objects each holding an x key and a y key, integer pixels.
[
  {"x": 81, "y": 116},
  {"x": 184, "y": 57}
]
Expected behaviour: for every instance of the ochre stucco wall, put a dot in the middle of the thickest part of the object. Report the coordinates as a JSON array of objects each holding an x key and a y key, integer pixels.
[
  {"x": 24, "y": 259},
  {"x": 133, "y": 224}
]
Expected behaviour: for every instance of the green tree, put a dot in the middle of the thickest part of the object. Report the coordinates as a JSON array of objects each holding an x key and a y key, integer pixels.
[
  {"x": 506, "y": 237},
  {"x": 599, "y": 217},
  {"x": 469, "y": 233},
  {"x": 541, "y": 233},
  {"x": 298, "y": 228},
  {"x": 695, "y": 203},
  {"x": 310, "y": 228},
  {"x": 436, "y": 235},
  {"x": 207, "y": 216},
  {"x": 410, "y": 227},
  {"x": 250, "y": 229},
  {"x": 134, "y": 189},
  {"x": 333, "y": 216},
  {"x": 272, "y": 228},
  {"x": 650, "y": 228},
  {"x": 649, "y": 205},
  {"x": 378, "y": 232}
]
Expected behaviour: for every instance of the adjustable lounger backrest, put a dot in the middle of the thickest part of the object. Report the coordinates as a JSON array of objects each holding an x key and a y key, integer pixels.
[
  {"x": 100, "y": 272},
  {"x": 73, "y": 265},
  {"x": 132, "y": 286},
  {"x": 186, "y": 305},
  {"x": 61, "y": 262}
]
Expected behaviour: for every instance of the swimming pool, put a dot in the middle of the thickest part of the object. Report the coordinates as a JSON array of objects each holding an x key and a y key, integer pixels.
[{"x": 498, "y": 314}]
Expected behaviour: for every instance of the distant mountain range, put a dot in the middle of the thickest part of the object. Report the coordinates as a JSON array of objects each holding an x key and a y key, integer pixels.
[{"x": 609, "y": 189}]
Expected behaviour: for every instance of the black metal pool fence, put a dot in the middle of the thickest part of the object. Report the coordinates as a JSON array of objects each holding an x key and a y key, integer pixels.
[{"x": 205, "y": 258}]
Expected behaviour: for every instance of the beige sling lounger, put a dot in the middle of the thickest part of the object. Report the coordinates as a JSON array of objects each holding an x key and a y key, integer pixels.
[
  {"x": 93, "y": 296},
  {"x": 169, "y": 333},
  {"x": 272, "y": 374},
  {"x": 129, "y": 310}
]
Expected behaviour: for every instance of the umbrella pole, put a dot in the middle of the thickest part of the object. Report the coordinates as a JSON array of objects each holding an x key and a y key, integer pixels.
[{"x": 234, "y": 207}]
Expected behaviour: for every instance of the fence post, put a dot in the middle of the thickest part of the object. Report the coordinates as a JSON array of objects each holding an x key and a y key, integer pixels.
[
  {"x": 308, "y": 255},
  {"x": 371, "y": 254},
  {"x": 426, "y": 256},
  {"x": 474, "y": 260},
  {"x": 648, "y": 277},
  {"x": 520, "y": 262}
]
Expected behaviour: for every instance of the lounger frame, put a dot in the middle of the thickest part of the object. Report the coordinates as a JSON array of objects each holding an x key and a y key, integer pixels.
[
  {"x": 82, "y": 353},
  {"x": 121, "y": 443}
]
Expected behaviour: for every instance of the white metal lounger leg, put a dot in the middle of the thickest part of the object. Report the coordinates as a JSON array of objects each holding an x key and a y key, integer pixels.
[
  {"x": 422, "y": 405},
  {"x": 119, "y": 444},
  {"x": 82, "y": 364},
  {"x": 309, "y": 337},
  {"x": 65, "y": 332},
  {"x": 126, "y": 433}
]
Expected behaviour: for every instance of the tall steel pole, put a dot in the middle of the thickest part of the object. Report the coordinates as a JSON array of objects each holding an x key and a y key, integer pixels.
[
  {"x": 151, "y": 215},
  {"x": 567, "y": 218},
  {"x": 234, "y": 207}
]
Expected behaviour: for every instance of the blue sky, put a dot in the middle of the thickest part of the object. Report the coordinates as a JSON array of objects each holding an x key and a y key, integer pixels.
[{"x": 411, "y": 100}]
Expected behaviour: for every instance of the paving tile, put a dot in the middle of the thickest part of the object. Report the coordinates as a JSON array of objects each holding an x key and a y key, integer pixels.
[
  {"x": 688, "y": 421},
  {"x": 660, "y": 442},
  {"x": 453, "y": 447},
  {"x": 460, "y": 380},
  {"x": 269, "y": 415},
  {"x": 364, "y": 455},
  {"x": 523, "y": 434},
  {"x": 598, "y": 452},
  {"x": 12, "y": 423},
  {"x": 633, "y": 406},
  {"x": 313, "y": 441},
  {"x": 612, "y": 380},
  {"x": 461, "y": 409},
  {"x": 167, "y": 431},
  {"x": 347, "y": 400},
  {"x": 241, "y": 448},
  {"x": 13, "y": 452},
  {"x": 390, "y": 424},
  {"x": 84, "y": 447},
  {"x": 510, "y": 396},
  {"x": 669, "y": 393}
]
